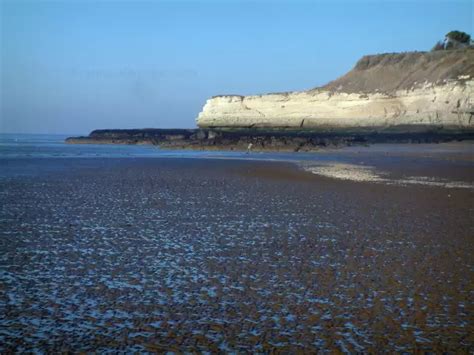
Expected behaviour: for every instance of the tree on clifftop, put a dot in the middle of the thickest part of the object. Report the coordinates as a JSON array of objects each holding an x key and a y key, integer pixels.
[
  {"x": 453, "y": 40},
  {"x": 458, "y": 36}
]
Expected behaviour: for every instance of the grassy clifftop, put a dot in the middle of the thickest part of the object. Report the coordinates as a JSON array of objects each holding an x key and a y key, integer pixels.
[{"x": 398, "y": 71}]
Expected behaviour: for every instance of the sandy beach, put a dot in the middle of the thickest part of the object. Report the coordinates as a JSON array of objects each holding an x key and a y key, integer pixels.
[
  {"x": 153, "y": 254},
  {"x": 236, "y": 177}
]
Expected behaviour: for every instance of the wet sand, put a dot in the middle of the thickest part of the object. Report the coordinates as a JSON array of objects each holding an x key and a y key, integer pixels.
[{"x": 220, "y": 255}]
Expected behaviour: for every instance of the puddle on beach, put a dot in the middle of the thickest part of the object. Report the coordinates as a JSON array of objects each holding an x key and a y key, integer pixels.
[{"x": 365, "y": 173}]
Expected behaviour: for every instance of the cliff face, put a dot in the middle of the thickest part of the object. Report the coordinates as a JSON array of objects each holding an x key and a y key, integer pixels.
[{"x": 410, "y": 89}]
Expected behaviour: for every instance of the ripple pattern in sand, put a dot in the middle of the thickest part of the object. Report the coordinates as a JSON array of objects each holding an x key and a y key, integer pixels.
[{"x": 154, "y": 257}]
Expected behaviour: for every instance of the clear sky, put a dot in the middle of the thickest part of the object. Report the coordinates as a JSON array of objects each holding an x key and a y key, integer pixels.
[{"x": 74, "y": 66}]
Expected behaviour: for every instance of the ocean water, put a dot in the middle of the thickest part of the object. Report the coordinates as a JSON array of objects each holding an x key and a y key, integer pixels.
[
  {"x": 27, "y": 154},
  {"x": 137, "y": 249},
  {"x": 24, "y": 154},
  {"x": 53, "y": 146}
]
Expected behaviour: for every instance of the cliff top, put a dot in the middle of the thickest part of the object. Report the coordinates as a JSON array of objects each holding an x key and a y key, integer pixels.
[
  {"x": 398, "y": 71},
  {"x": 389, "y": 72}
]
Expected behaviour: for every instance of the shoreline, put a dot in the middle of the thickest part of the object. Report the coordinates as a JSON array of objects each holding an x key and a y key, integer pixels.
[
  {"x": 267, "y": 140},
  {"x": 447, "y": 165}
]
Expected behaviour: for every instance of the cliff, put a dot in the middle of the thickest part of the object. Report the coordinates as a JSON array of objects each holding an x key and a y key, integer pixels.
[
  {"x": 406, "y": 90},
  {"x": 406, "y": 97}
]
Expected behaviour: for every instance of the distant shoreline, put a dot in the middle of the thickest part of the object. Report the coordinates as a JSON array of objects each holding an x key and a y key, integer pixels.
[{"x": 262, "y": 139}]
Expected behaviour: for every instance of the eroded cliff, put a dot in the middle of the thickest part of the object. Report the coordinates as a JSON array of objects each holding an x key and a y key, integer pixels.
[{"x": 420, "y": 89}]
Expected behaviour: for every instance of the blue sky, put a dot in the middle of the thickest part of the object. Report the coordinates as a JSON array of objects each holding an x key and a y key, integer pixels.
[{"x": 74, "y": 66}]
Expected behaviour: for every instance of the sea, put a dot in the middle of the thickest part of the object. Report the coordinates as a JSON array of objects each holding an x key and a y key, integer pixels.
[{"x": 21, "y": 154}]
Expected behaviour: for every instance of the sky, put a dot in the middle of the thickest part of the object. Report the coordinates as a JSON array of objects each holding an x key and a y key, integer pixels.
[{"x": 68, "y": 67}]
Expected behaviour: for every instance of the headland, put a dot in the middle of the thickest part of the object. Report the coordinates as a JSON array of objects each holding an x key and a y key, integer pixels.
[{"x": 408, "y": 97}]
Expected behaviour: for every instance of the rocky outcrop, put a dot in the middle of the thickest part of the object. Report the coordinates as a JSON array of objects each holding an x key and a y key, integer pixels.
[
  {"x": 263, "y": 139},
  {"x": 154, "y": 136},
  {"x": 418, "y": 89}
]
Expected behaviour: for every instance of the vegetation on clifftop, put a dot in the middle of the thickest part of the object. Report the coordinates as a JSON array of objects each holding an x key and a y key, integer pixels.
[{"x": 454, "y": 40}]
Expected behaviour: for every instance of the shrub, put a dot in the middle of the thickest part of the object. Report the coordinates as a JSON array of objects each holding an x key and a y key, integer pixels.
[
  {"x": 461, "y": 37},
  {"x": 439, "y": 46}
]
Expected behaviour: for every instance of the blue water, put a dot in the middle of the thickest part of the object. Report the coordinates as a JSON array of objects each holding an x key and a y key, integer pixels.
[
  {"x": 54, "y": 146},
  {"x": 37, "y": 154},
  {"x": 33, "y": 154}
]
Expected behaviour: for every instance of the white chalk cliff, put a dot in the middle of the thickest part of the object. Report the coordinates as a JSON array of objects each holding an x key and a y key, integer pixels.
[{"x": 422, "y": 89}]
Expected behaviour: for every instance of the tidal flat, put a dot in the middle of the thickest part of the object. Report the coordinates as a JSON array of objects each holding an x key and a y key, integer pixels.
[{"x": 216, "y": 255}]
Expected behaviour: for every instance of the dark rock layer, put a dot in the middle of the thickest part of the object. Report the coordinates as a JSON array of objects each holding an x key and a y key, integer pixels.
[{"x": 272, "y": 140}]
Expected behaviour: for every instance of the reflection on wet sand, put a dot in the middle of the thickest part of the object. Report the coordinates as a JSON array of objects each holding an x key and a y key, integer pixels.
[{"x": 135, "y": 255}]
